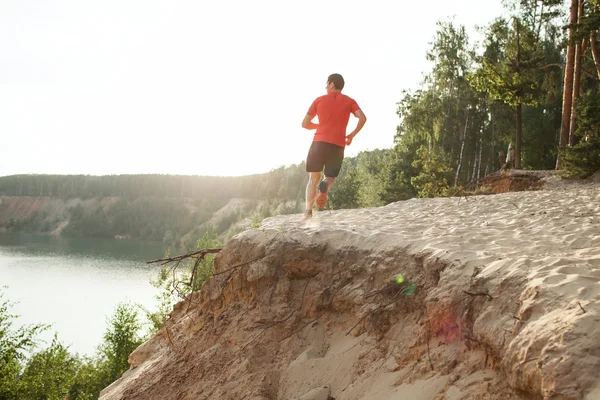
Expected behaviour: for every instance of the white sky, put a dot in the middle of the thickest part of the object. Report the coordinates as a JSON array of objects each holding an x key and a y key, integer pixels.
[{"x": 201, "y": 87}]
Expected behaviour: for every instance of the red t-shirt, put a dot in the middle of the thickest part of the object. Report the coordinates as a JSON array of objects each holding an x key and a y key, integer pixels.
[{"x": 333, "y": 110}]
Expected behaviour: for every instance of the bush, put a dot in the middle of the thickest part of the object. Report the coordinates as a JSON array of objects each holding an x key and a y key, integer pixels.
[
  {"x": 49, "y": 374},
  {"x": 14, "y": 345},
  {"x": 54, "y": 373},
  {"x": 581, "y": 160},
  {"x": 121, "y": 338},
  {"x": 435, "y": 172},
  {"x": 171, "y": 288}
]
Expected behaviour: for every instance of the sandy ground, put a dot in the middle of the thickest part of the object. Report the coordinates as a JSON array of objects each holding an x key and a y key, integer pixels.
[{"x": 507, "y": 306}]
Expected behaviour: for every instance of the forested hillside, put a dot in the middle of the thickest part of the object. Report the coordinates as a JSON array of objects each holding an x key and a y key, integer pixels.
[{"x": 526, "y": 97}]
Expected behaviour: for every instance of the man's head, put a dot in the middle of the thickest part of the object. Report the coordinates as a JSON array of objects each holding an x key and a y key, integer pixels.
[{"x": 335, "y": 83}]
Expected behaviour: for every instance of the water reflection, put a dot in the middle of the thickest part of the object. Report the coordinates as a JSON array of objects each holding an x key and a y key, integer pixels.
[
  {"x": 74, "y": 284},
  {"x": 48, "y": 245}
]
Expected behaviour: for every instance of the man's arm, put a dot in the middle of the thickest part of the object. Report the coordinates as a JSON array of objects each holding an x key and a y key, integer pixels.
[
  {"x": 308, "y": 124},
  {"x": 362, "y": 119}
]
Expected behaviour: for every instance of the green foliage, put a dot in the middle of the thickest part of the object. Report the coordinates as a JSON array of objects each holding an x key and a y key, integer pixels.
[
  {"x": 54, "y": 373},
  {"x": 149, "y": 206},
  {"x": 162, "y": 186},
  {"x": 589, "y": 113},
  {"x": 206, "y": 267},
  {"x": 464, "y": 111},
  {"x": 165, "y": 300},
  {"x": 371, "y": 179},
  {"x": 120, "y": 339},
  {"x": 508, "y": 66},
  {"x": 345, "y": 192},
  {"x": 49, "y": 374},
  {"x": 443, "y": 124},
  {"x": 452, "y": 129},
  {"x": 147, "y": 218},
  {"x": 226, "y": 222},
  {"x": 256, "y": 221},
  {"x": 370, "y": 176},
  {"x": 435, "y": 175},
  {"x": 15, "y": 345},
  {"x": 91, "y": 377},
  {"x": 290, "y": 208},
  {"x": 171, "y": 287},
  {"x": 581, "y": 160}
]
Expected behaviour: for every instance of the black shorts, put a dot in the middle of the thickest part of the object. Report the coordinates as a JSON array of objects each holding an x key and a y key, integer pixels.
[{"x": 325, "y": 155}]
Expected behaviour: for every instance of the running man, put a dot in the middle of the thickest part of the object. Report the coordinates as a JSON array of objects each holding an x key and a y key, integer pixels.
[{"x": 327, "y": 149}]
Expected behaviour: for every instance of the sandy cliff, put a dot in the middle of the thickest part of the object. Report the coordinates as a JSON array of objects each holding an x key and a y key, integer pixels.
[{"x": 506, "y": 306}]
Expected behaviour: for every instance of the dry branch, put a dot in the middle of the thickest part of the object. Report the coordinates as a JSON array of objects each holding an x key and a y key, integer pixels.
[
  {"x": 272, "y": 324},
  {"x": 197, "y": 253}
]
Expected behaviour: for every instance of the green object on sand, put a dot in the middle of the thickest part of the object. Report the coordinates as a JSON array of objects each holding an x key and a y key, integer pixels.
[{"x": 409, "y": 289}]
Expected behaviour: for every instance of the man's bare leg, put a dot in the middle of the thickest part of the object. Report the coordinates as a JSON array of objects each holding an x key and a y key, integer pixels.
[
  {"x": 324, "y": 187},
  {"x": 311, "y": 190},
  {"x": 330, "y": 181}
]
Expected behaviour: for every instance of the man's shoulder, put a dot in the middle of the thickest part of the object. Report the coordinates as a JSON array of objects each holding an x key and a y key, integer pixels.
[
  {"x": 330, "y": 96},
  {"x": 347, "y": 99}
]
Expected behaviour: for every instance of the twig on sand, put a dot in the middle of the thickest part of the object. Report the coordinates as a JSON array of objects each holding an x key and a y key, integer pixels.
[
  {"x": 320, "y": 315},
  {"x": 528, "y": 361},
  {"x": 474, "y": 181},
  {"x": 428, "y": 337},
  {"x": 469, "y": 337},
  {"x": 168, "y": 335},
  {"x": 478, "y": 294},
  {"x": 236, "y": 266},
  {"x": 375, "y": 309},
  {"x": 580, "y": 306}
]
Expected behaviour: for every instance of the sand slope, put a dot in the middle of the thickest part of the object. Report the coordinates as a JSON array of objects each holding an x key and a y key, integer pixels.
[{"x": 506, "y": 307}]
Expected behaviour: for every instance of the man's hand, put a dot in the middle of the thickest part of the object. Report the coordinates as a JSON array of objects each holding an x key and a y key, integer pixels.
[
  {"x": 349, "y": 138},
  {"x": 362, "y": 119},
  {"x": 307, "y": 124}
]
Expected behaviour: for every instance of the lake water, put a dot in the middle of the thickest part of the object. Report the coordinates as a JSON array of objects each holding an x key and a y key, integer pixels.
[{"x": 74, "y": 284}]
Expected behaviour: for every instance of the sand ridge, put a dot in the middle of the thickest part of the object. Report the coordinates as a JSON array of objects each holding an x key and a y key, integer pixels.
[{"x": 507, "y": 306}]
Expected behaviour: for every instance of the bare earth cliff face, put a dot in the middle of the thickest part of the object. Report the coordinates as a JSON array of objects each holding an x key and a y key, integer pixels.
[{"x": 506, "y": 307}]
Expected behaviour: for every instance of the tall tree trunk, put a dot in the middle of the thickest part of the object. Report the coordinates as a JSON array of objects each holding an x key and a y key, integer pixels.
[
  {"x": 475, "y": 159},
  {"x": 576, "y": 81},
  {"x": 575, "y": 95},
  {"x": 518, "y": 134},
  {"x": 595, "y": 51},
  {"x": 568, "y": 83},
  {"x": 462, "y": 149},
  {"x": 480, "y": 154},
  {"x": 493, "y": 156}
]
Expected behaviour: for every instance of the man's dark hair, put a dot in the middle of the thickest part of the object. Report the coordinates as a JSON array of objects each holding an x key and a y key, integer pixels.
[{"x": 337, "y": 81}]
